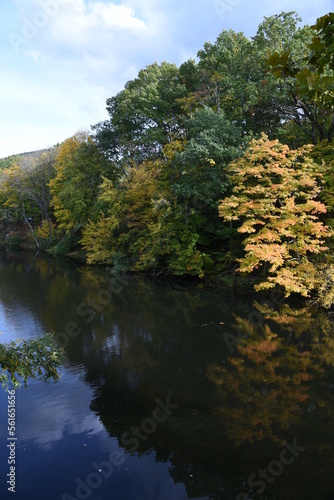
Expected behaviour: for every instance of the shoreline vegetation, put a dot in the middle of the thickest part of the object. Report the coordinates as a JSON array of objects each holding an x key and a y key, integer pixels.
[{"x": 220, "y": 170}]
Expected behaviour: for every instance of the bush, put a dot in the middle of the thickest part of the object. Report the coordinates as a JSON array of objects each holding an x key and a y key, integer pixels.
[
  {"x": 67, "y": 244},
  {"x": 14, "y": 240}
]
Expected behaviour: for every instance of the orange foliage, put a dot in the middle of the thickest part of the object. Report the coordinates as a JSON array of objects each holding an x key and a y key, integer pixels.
[{"x": 275, "y": 200}]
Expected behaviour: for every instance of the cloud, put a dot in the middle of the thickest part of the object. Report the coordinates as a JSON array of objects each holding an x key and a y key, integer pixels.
[
  {"x": 87, "y": 24},
  {"x": 68, "y": 62},
  {"x": 116, "y": 15},
  {"x": 53, "y": 24},
  {"x": 63, "y": 408},
  {"x": 61, "y": 75}
]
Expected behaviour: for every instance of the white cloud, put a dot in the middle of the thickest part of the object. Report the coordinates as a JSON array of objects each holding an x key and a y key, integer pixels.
[
  {"x": 63, "y": 407},
  {"x": 59, "y": 78},
  {"x": 64, "y": 73},
  {"x": 116, "y": 15}
]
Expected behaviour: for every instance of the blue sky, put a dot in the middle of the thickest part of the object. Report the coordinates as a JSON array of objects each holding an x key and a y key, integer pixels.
[{"x": 61, "y": 59}]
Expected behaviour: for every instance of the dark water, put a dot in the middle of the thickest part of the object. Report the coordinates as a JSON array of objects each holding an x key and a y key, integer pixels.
[{"x": 157, "y": 399}]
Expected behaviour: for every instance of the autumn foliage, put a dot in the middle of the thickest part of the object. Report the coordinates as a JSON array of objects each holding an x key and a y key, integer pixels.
[
  {"x": 275, "y": 203},
  {"x": 222, "y": 164}
]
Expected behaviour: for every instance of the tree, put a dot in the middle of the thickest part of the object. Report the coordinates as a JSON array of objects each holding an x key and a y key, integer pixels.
[
  {"x": 275, "y": 199},
  {"x": 143, "y": 117},
  {"x": 323, "y": 155},
  {"x": 141, "y": 220},
  {"x": 227, "y": 73},
  {"x": 197, "y": 173},
  {"x": 127, "y": 212},
  {"x": 232, "y": 76},
  {"x": 280, "y": 33},
  {"x": 308, "y": 80},
  {"x": 25, "y": 189},
  {"x": 79, "y": 167},
  {"x": 37, "y": 184},
  {"x": 277, "y": 112},
  {"x": 9, "y": 162},
  {"x": 322, "y": 46},
  {"x": 15, "y": 202}
]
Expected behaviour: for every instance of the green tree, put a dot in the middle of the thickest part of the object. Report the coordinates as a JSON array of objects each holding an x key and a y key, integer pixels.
[
  {"x": 277, "y": 113},
  {"x": 228, "y": 72},
  {"x": 197, "y": 173},
  {"x": 141, "y": 220},
  {"x": 143, "y": 117},
  {"x": 322, "y": 46},
  {"x": 9, "y": 162},
  {"x": 79, "y": 167},
  {"x": 308, "y": 80}
]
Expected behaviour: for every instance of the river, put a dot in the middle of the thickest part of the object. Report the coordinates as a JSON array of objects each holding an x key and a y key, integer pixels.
[{"x": 169, "y": 391}]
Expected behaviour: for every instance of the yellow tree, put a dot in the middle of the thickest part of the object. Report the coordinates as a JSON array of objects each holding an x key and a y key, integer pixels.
[
  {"x": 139, "y": 220},
  {"x": 323, "y": 155},
  {"x": 124, "y": 222},
  {"x": 79, "y": 169},
  {"x": 16, "y": 196},
  {"x": 275, "y": 198}
]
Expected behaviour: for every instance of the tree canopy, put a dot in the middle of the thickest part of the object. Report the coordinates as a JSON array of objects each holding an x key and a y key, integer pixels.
[
  {"x": 224, "y": 163},
  {"x": 275, "y": 199}
]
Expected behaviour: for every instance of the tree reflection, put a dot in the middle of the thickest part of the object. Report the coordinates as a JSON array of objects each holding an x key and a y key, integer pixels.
[
  {"x": 216, "y": 438},
  {"x": 276, "y": 376},
  {"x": 156, "y": 340}
]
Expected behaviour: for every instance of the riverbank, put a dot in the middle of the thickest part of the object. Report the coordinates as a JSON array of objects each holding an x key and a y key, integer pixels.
[
  {"x": 19, "y": 237},
  {"x": 16, "y": 236}
]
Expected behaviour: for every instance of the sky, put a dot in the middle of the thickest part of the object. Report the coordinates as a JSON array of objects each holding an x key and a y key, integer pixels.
[{"x": 61, "y": 59}]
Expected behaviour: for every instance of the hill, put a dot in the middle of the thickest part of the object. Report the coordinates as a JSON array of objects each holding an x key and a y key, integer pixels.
[{"x": 22, "y": 158}]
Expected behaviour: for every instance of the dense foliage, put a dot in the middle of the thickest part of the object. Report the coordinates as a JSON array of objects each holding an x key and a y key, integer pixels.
[
  {"x": 37, "y": 358},
  {"x": 225, "y": 163},
  {"x": 275, "y": 197}
]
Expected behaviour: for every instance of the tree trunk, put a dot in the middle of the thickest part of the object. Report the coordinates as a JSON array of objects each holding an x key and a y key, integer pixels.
[
  {"x": 50, "y": 231},
  {"x": 331, "y": 131},
  {"x": 26, "y": 221}
]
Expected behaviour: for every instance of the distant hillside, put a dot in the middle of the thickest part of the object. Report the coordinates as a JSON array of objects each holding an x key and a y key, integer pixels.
[
  {"x": 33, "y": 154},
  {"x": 21, "y": 158}
]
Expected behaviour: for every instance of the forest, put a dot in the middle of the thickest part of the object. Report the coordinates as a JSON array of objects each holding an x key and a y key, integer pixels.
[{"x": 222, "y": 168}]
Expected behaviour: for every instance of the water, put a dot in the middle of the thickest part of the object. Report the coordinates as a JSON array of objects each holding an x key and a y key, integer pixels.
[{"x": 155, "y": 401}]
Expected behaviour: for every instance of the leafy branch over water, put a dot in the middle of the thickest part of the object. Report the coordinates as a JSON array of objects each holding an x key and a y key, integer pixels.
[{"x": 23, "y": 359}]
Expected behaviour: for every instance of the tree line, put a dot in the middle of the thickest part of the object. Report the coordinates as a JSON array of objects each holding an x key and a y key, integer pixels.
[{"x": 220, "y": 167}]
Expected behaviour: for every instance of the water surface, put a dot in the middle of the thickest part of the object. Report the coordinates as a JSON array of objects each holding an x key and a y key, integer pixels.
[{"x": 248, "y": 419}]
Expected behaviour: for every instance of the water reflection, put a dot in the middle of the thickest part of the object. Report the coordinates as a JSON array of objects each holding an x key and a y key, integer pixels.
[
  {"x": 263, "y": 388},
  {"x": 58, "y": 415},
  {"x": 157, "y": 340}
]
